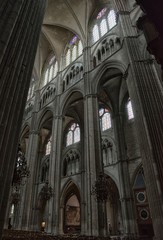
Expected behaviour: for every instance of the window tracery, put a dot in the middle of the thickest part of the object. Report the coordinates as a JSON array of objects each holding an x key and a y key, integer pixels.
[
  {"x": 96, "y": 34},
  {"x": 71, "y": 163},
  {"x": 74, "y": 50},
  {"x": 105, "y": 119},
  {"x": 51, "y": 70},
  {"x": 101, "y": 13},
  {"x": 103, "y": 27},
  {"x": 73, "y": 134},
  {"x": 111, "y": 19},
  {"x": 105, "y": 21},
  {"x": 108, "y": 151}
]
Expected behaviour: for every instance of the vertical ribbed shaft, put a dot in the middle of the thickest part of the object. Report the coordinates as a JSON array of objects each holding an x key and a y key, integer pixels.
[
  {"x": 124, "y": 178},
  {"x": 55, "y": 176},
  {"x": 20, "y": 24},
  {"x": 93, "y": 161},
  {"x": 147, "y": 93}
]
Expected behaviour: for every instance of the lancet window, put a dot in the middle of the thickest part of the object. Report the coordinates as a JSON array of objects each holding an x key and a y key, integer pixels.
[
  {"x": 105, "y": 119},
  {"x": 105, "y": 21},
  {"x": 51, "y": 70},
  {"x": 74, "y": 50},
  {"x": 73, "y": 134}
]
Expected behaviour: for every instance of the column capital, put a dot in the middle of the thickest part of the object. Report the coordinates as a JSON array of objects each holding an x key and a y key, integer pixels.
[
  {"x": 123, "y": 12},
  {"x": 35, "y": 132},
  {"x": 86, "y": 48},
  {"x": 146, "y": 61},
  {"x": 90, "y": 96},
  {"x": 58, "y": 117}
]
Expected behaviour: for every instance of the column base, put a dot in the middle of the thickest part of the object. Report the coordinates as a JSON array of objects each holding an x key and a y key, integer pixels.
[{"x": 158, "y": 238}]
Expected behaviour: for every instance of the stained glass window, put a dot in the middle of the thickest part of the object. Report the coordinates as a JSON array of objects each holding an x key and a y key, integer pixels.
[
  {"x": 130, "y": 110},
  {"x": 101, "y": 13},
  {"x": 48, "y": 147},
  {"x": 76, "y": 134},
  {"x": 51, "y": 70},
  {"x": 105, "y": 119},
  {"x": 112, "y": 19},
  {"x": 103, "y": 27},
  {"x": 80, "y": 48},
  {"x": 73, "y": 40},
  {"x": 96, "y": 35},
  {"x": 73, "y": 134},
  {"x": 55, "y": 70},
  {"x": 46, "y": 76},
  {"x": 68, "y": 57},
  {"x": 104, "y": 23},
  {"x": 74, "y": 53},
  {"x": 69, "y": 138},
  {"x": 74, "y": 49}
]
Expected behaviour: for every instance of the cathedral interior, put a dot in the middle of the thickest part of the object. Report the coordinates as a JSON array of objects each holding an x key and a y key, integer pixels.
[{"x": 81, "y": 119}]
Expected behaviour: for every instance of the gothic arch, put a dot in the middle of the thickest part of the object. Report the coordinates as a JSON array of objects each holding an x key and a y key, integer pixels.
[
  {"x": 23, "y": 138},
  {"x": 115, "y": 180},
  {"x": 68, "y": 187},
  {"x": 71, "y": 208},
  {"x": 138, "y": 168},
  {"x": 113, "y": 208},
  {"x": 45, "y": 115},
  {"x": 25, "y": 128},
  {"x": 92, "y": 18},
  {"x": 111, "y": 64},
  {"x": 141, "y": 204},
  {"x": 74, "y": 94}
]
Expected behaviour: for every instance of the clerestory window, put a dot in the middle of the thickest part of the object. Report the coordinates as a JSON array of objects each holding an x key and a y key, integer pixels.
[
  {"x": 48, "y": 146},
  {"x": 105, "y": 21},
  {"x": 74, "y": 50},
  {"x": 130, "y": 110},
  {"x": 50, "y": 70},
  {"x": 105, "y": 119},
  {"x": 73, "y": 134}
]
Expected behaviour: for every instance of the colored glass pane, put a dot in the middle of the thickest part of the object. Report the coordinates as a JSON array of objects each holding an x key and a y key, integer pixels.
[{"x": 101, "y": 13}]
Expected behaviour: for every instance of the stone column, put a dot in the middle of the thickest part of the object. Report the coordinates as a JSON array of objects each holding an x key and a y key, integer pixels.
[
  {"x": 28, "y": 191},
  {"x": 20, "y": 26},
  {"x": 153, "y": 38},
  {"x": 55, "y": 173},
  {"x": 124, "y": 178},
  {"x": 146, "y": 93},
  {"x": 121, "y": 5},
  {"x": 92, "y": 161},
  {"x": 32, "y": 156}
]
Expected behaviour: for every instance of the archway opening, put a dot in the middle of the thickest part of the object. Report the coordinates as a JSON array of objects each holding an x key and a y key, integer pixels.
[
  {"x": 113, "y": 209},
  {"x": 144, "y": 220},
  {"x": 72, "y": 209},
  {"x": 72, "y": 215}
]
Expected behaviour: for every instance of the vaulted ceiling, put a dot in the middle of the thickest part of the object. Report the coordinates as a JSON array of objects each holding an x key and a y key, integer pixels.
[{"x": 63, "y": 19}]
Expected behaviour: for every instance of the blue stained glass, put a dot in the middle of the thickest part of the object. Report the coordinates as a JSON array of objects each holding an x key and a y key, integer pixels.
[{"x": 73, "y": 40}]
